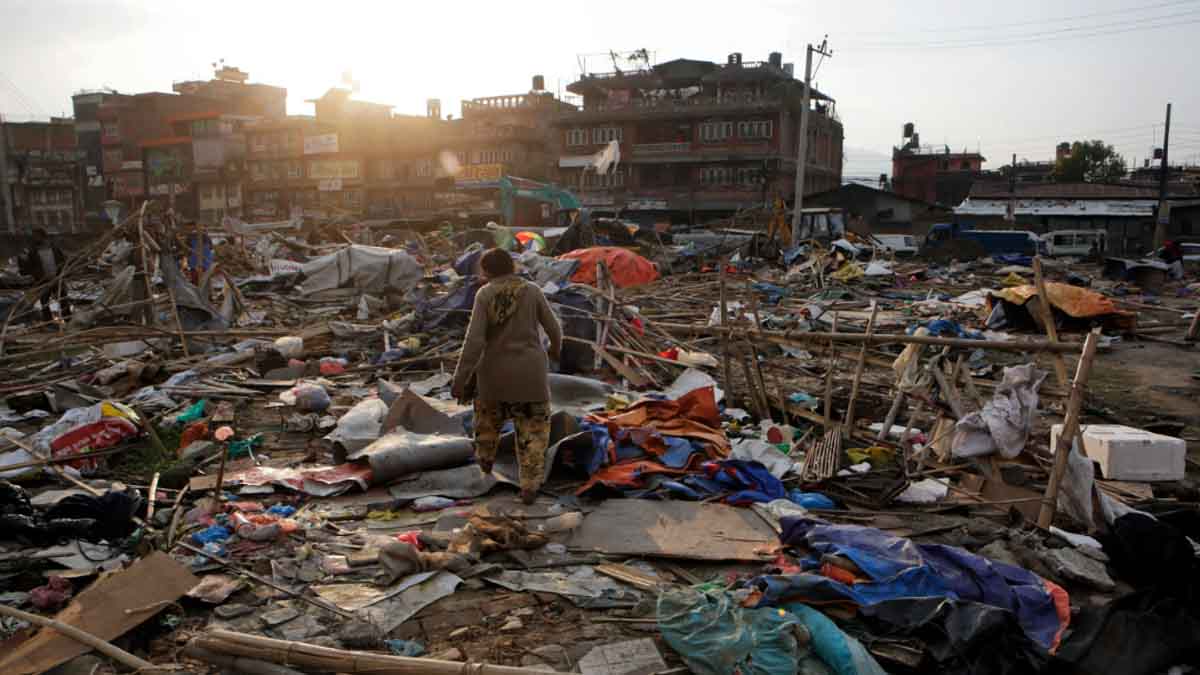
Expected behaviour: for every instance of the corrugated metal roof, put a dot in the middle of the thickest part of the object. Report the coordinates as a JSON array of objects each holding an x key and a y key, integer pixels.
[{"x": 1125, "y": 208}]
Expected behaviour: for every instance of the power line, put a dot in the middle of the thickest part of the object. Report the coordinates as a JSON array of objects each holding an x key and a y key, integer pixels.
[
  {"x": 1051, "y": 33},
  {"x": 1032, "y": 38},
  {"x": 1033, "y": 22}
]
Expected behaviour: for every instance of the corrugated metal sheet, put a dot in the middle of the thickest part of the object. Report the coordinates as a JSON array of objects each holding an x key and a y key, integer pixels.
[{"x": 1133, "y": 208}]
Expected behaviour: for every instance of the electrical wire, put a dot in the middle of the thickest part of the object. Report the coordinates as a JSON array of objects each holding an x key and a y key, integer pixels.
[
  {"x": 1034, "y": 22},
  {"x": 1025, "y": 35},
  {"x": 1028, "y": 39}
]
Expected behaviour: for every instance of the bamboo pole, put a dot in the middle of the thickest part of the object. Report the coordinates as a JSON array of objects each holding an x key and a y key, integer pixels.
[
  {"x": 803, "y": 339},
  {"x": 725, "y": 357},
  {"x": 1060, "y": 365},
  {"x": 327, "y": 659},
  {"x": 833, "y": 357},
  {"x": 858, "y": 369},
  {"x": 238, "y": 664},
  {"x": 83, "y": 637},
  {"x": 1069, "y": 431},
  {"x": 1194, "y": 329}
]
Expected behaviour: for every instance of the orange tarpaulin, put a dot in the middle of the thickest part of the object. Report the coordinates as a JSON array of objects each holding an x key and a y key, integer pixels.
[
  {"x": 1074, "y": 301},
  {"x": 693, "y": 415},
  {"x": 627, "y": 267}
]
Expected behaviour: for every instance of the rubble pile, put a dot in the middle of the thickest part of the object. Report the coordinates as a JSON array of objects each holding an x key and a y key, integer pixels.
[{"x": 816, "y": 460}]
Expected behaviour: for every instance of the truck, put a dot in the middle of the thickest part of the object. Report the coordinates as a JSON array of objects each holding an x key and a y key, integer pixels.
[{"x": 949, "y": 241}]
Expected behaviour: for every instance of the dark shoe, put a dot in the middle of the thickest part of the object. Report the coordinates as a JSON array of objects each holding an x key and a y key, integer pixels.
[{"x": 528, "y": 495}]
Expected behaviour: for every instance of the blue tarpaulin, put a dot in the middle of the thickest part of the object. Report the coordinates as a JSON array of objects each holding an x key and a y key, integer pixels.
[{"x": 899, "y": 568}]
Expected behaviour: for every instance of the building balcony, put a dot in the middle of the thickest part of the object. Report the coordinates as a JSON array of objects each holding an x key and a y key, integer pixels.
[
  {"x": 696, "y": 106},
  {"x": 661, "y": 148},
  {"x": 274, "y": 152}
]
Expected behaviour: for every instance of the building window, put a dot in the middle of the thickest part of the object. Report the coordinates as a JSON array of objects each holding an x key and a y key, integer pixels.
[
  {"x": 716, "y": 175},
  {"x": 295, "y": 169},
  {"x": 715, "y": 132},
  {"x": 258, "y": 142},
  {"x": 603, "y": 180},
  {"x": 111, "y": 130},
  {"x": 602, "y": 135},
  {"x": 748, "y": 176},
  {"x": 425, "y": 168},
  {"x": 577, "y": 137},
  {"x": 506, "y": 156},
  {"x": 258, "y": 171},
  {"x": 352, "y": 198},
  {"x": 463, "y": 158},
  {"x": 755, "y": 129}
]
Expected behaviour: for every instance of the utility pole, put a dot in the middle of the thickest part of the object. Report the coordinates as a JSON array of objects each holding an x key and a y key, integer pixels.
[
  {"x": 802, "y": 144},
  {"x": 1163, "y": 217},
  {"x": 1011, "y": 216},
  {"x": 5, "y": 188}
]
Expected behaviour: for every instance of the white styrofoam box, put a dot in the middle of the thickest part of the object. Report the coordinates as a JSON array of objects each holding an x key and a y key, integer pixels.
[{"x": 1126, "y": 453}]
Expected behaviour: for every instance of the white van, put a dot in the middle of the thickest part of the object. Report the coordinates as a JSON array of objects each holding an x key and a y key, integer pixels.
[
  {"x": 1075, "y": 242},
  {"x": 902, "y": 245}
]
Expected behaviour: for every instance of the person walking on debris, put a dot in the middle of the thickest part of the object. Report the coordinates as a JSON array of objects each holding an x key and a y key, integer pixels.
[
  {"x": 504, "y": 368},
  {"x": 43, "y": 261}
]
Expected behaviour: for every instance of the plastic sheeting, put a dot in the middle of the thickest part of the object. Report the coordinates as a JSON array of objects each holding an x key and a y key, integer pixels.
[
  {"x": 1080, "y": 303},
  {"x": 1004, "y": 423},
  {"x": 898, "y": 568},
  {"x": 717, "y": 637},
  {"x": 404, "y": 452},
  {"x": 627, "y": 268},
  {"x": 368, "y": 268}
]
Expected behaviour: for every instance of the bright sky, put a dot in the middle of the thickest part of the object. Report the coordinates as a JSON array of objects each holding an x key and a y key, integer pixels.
[{"x": 1002, "y": 77}]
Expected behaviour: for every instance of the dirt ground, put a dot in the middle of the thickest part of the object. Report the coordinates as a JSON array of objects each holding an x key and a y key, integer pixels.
[{"x": 1142, "y": 383}]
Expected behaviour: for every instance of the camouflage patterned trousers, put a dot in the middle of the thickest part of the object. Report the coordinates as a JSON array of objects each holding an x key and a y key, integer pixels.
[{"x": 532, "y": 422}]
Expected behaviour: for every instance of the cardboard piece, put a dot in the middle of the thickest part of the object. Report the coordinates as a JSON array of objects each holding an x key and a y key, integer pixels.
[
  {"x": 145, "y": 588},
  {"x": 675, "y": 530}
]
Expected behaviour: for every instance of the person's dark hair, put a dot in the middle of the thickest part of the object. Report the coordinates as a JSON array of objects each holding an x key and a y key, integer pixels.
[
  {"x": 496, "y": 262},
  {"x": 40, "y": 234}
]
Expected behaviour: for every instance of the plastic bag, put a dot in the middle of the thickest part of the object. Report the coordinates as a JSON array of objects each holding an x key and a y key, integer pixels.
[
  {"x": 290, "y": 347},
  {"x": 716, "y": 636},
  {"x": 191, "y": 413},
  {"x": 311, "y": 398}
]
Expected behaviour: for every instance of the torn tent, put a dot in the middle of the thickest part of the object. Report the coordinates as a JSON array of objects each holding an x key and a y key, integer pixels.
[
  {"x": 651, "y": 436},
  {"x": 627, "y": 268},
  {"x": 893, "y": 568},
  {"x": 368, "y": 268},
  {"x": 1080, "y": 306}
]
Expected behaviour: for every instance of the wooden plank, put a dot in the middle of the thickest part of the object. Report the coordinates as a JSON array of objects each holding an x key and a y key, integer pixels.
[
  {"x": 108, "y": 609},
  {"x": 1060, "y": 365},
  {"x": 673, "y": 529},
  {"x": 1069, "y": 430}
]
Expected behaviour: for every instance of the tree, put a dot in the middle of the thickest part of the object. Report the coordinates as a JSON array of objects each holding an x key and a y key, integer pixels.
[{"x": 1093, "y": 161}]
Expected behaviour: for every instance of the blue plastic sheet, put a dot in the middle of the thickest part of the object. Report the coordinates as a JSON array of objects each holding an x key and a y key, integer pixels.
[
  {"x": 811, "y": 500},
  {"x": 899, "y": 568},
  {"x": 945, "y": 327},
  {"x": 212, "y": 533}
]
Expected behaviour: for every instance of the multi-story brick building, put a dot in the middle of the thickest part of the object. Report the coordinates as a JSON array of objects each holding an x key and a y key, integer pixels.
[
  {"x": 198, "y": 168},
  {"x": 931, "y": 174},
  {"x": 45, "y": 176},
  {"x": 112, "y": 127},
  {"x": 698, "y": 139},
  {"x": 353, "y": 158},
  {"x": 359, "y": 159}
]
